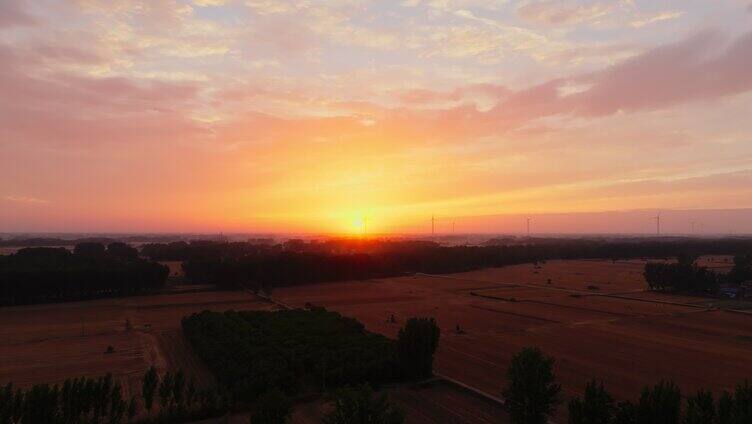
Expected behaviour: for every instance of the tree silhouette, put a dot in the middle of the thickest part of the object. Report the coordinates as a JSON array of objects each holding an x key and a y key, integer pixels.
[
  {"x": 177, "y": 387},
  {"x": 359, "y": 405},
  {"x": 660, "y": 404},
  {"x": 700, "y": 408},
  {"x": 416, "y": 344},
  {"x": 149, "y": 387},
  {"x": 626, "y": 413},
  {"x": 531, "y": 393},
  {"x": 273, "y": 407},
  {"x": 165, "y": 390},
  {"x": 132, "y": 409},
  {"x": 597, "y": 407}
]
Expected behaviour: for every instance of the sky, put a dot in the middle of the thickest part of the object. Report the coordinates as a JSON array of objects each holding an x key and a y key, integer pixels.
[{"x": 331, "y": 116}]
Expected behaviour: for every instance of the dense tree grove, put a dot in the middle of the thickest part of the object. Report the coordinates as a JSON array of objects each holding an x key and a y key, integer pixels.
[
  {"x": 101, "y": 400},
  {"x": 296, "y": 351},
  {"x": 53, "y": 241},
  {"x": 742, "y": 270},
  {"x": 416, "y": 344},
  {"x": 92, "y": 270},
  {"x": 196, "y": 249},
  {"x": 686, "y": 276},
  {"x": 359, "y": 405},
  {"x": 298, "y": 262},
  {"x": 21, "y": 241}
]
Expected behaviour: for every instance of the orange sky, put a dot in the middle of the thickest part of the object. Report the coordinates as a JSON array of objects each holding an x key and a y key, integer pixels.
[{"x": 212, "y": 115}]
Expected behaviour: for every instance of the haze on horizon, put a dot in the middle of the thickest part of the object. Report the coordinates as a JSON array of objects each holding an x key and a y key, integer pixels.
[{"x": 320, "y": 116}]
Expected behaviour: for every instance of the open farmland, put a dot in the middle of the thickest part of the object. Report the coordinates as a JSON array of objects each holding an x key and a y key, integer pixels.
[
  {"x": 594, "y": 317},
  {"x": 52, "y": 342}
]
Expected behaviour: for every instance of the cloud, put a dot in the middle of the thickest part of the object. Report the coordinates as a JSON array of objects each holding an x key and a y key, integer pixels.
[
  {"x": 665, "y": 76},
  {"x": 603, "y": 12},
  {"x": 663, "y": 16},
  {"x": 43, "y": 105},
  {"x": 423, "y": 96},
  {"x": 208, "y": 3},
  {"x": 565, "y": 12},
  {"x": 24, "y": 199},
  {"x": 473, "y": 92},
  {"x": 669, "y": 75},
  {"x": 13, "y": 14},
  {"x": 272, "y": 7}
]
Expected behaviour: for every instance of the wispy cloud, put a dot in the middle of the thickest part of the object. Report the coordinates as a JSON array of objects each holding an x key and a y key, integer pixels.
[
  {"x": 663, "y": 16},
  {"x": 566, "y": 12},
  {"x": 25, "y": 199}
]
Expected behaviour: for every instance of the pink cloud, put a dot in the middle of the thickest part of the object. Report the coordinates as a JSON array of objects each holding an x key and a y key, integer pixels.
[
  {"x": 670, "y": 75},
  {"x": 422, "y": 96},
  {"x": 24, "y": 199},
  {"x": 662, "y": 77},
  {"x": 665, "y": 76},
  {"x": 61, "y": 106},
  {"x": 50, "y": 106},
  {"x": 425, "y": 96},
  {"x": 12, "y": 14}
]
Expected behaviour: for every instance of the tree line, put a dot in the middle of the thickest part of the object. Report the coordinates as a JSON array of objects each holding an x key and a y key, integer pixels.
[
  {"x": 297, "y": 262},
  {"x": 91, "y": 270},
  {"x": 532, "y": 395},
  {"x": 686, "y": 276},
  {"x": 166, "y": 398}
]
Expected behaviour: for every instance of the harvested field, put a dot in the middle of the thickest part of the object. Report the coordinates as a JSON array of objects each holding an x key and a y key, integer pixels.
[
  {"x": 607, "y": 276},
  {"x": 595, "y": 318},
  {"x": 52, "y": 342},
  {"x": 619, "y": 332}
]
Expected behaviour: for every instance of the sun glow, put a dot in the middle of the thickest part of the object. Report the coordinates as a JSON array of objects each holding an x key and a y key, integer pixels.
[{"x": 359, "y": 225}]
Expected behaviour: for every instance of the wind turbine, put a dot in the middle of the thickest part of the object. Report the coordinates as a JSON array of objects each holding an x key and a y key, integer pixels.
[{"x": 528, "y": 226}]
